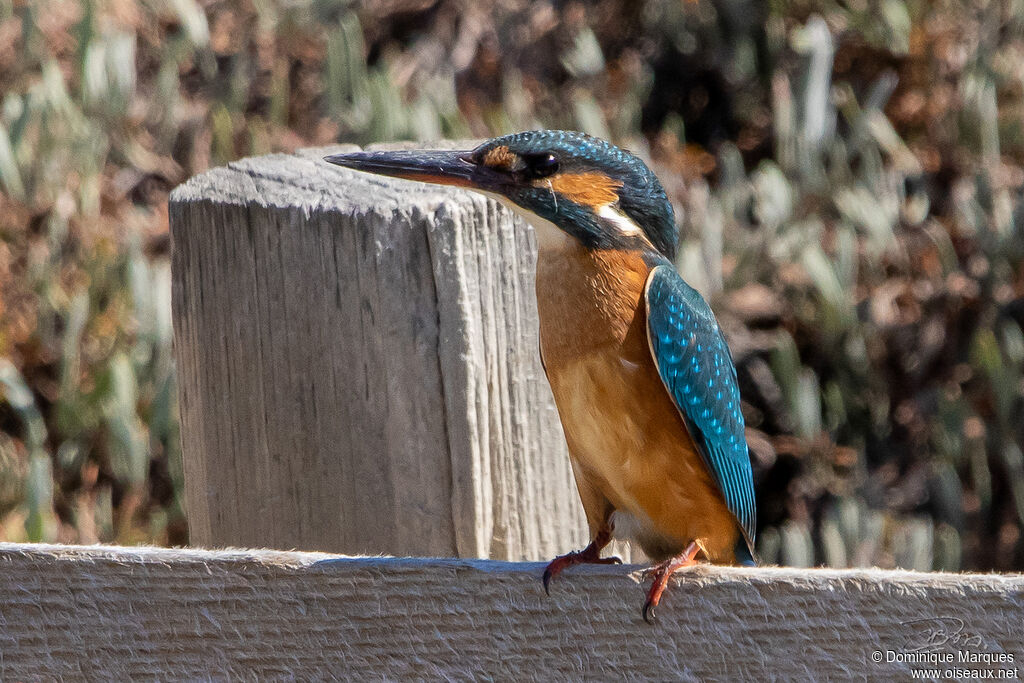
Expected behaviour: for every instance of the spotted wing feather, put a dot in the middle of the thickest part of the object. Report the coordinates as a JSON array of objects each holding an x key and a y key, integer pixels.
[{"x": 697, "y": 369}]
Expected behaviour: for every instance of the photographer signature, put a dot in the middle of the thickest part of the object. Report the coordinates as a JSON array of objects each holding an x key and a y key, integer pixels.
[{"x": 931, "y": 634}]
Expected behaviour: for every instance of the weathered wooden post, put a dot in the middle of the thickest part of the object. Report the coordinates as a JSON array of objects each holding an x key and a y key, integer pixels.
[{"x": 358, "y": 368}]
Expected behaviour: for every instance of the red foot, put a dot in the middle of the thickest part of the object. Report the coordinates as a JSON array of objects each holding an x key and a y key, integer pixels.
[
  {"x": 662, "y": 572},
  {"x": 589, "y": 555}
]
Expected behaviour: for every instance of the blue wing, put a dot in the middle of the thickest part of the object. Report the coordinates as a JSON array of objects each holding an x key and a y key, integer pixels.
[{"x": 695, "y": 364}]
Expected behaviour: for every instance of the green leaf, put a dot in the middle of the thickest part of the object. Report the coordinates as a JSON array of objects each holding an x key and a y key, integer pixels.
[
  {"x": 129, "y": 451},
  {"x": 40, "y": 525},
  {"x": 22, "y": 401},
  {"x": 10, "y": 176}
]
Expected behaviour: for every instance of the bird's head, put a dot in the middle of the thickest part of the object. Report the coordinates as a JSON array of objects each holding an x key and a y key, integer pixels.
[{"x": 570, "y": 186}]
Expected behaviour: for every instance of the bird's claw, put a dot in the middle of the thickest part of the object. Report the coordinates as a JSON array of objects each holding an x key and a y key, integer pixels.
[
  {"x": 662, "y": 572},
  {"x": 648, "y": 612}
]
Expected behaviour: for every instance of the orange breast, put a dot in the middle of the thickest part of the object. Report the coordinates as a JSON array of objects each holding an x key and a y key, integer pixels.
[{"x": 625, "y": 435}]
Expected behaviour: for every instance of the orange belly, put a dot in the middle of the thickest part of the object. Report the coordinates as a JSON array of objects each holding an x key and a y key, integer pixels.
[{"x": 630, "y": 448}]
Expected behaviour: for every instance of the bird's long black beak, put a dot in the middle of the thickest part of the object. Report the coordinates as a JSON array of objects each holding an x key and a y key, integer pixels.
[{"x": 441, "y": 167}]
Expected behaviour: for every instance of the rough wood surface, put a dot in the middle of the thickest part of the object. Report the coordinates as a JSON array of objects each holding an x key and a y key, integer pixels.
[
  {"x": 358, "y": 368},
  {"x": 77, "y": 613}
]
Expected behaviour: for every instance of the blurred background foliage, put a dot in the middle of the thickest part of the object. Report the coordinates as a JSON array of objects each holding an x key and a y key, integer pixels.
[{"x": 848, "y": 177}]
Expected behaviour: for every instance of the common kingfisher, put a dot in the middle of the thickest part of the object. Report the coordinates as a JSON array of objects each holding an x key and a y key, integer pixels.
[{"x": 642, "y": 377}]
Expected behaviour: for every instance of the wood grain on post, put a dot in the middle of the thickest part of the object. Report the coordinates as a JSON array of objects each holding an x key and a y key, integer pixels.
[
  {"x": 358, "y": 368},
  {"x": 73, "y": 613}
]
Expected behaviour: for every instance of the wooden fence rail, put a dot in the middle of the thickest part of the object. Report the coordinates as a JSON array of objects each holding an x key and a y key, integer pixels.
[{"x": 103, "y": 613}]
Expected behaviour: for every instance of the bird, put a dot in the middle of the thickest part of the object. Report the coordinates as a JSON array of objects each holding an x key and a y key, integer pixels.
[{"x": 641, "y": 374}]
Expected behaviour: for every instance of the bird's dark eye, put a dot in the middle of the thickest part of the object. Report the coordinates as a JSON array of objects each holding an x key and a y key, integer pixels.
[{"x": 540, "y": 165}]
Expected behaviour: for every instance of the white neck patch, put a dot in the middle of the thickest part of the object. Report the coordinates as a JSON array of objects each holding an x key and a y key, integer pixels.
[{"x": 622, "y": 223}]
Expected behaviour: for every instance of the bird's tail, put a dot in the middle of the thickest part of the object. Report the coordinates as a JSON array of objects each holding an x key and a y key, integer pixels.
[{"x": 744, "y": 556}]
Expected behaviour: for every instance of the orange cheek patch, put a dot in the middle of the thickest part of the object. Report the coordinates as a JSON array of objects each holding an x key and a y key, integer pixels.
[
  {"x": 500, "y": 157},
  {"x": 589, "y": 189}
]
